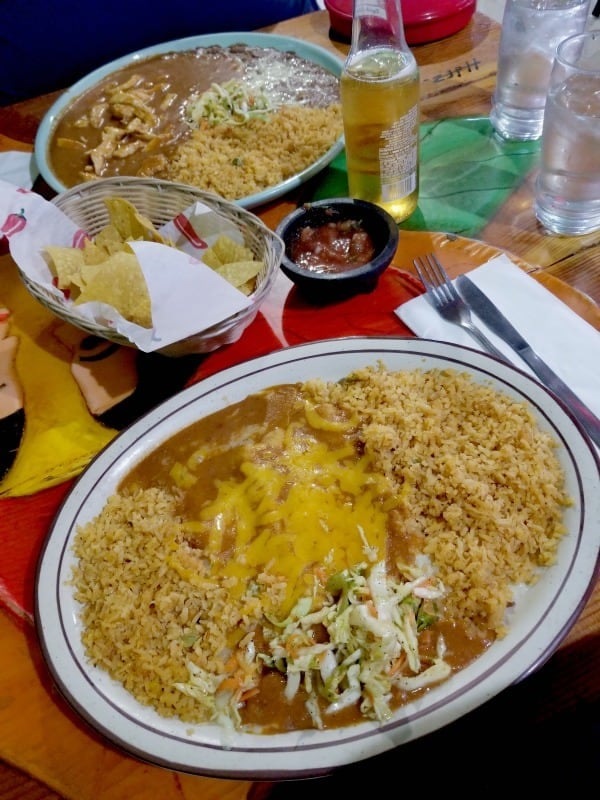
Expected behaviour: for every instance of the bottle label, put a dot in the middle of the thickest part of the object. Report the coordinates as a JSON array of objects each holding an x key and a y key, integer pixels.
[
  {"x": 398, "y": 157},
  {"x": 398, "y": 189}
]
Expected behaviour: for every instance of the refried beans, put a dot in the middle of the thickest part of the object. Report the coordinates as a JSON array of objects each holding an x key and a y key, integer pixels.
[{"x": 134, "y": 121}]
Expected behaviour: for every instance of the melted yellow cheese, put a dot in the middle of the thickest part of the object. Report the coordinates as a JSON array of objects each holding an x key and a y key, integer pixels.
[{"x": 307, "y": 508}]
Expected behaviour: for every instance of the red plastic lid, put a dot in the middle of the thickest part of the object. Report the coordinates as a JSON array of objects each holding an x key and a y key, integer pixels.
[{"x": 424, "y": 20}]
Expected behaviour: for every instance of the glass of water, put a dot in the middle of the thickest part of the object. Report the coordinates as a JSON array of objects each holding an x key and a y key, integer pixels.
[
  {"x": 567, "y": 193},
  {"x": 531, "y": 31}
]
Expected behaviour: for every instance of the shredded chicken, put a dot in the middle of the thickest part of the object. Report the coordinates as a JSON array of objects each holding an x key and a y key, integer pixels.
[{"x": 133, "y": 123}]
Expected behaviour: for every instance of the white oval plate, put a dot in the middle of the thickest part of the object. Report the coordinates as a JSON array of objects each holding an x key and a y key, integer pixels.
[
  {"x": 538, "y": 621},
  {"x": 311, "y": 52}
]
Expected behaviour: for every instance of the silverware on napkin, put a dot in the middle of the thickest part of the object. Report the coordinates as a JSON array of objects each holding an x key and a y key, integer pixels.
[
  {"x": 499, "y": 324},
  {"x": 447, "y": 301}
]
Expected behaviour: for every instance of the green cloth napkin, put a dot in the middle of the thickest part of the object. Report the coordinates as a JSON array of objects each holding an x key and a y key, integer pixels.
[{"x": 466, "y": 173}]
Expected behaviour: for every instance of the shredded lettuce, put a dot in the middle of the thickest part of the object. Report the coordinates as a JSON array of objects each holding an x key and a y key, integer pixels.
[
  {"x": 355, "y": 647},
  {"x": 232, "y": 103},
  {"x": 350, "y": 649}
]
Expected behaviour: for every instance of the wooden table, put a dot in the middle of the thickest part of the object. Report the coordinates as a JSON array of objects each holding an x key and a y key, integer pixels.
[{"x": 41, "y": 739}]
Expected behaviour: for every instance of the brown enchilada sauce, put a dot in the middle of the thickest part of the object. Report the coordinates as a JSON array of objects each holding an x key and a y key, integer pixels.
[{"x": 228, "y": 431}]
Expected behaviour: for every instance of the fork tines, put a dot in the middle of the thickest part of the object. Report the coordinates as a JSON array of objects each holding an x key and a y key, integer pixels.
[{"x": 434, "y": 276}]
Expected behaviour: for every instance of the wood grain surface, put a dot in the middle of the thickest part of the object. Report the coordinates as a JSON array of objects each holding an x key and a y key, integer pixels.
[{"x": 41, "y": 739}]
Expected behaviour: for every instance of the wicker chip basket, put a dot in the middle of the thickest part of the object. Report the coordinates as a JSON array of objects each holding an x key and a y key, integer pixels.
[{"x": 161, "y": 201}]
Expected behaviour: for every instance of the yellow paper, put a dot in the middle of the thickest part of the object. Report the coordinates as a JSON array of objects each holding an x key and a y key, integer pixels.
[{"x": 60, "y": 435}]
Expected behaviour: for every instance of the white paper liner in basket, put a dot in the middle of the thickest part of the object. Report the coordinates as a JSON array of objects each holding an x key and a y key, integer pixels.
[{"x": 188, "y": 297}]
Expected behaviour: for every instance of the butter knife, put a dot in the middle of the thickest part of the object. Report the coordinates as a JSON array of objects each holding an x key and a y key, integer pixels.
[{"x": 497, "y": 322}]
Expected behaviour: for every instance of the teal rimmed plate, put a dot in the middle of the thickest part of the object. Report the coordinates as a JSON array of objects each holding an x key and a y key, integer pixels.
[{"x": 306, "y": 50}]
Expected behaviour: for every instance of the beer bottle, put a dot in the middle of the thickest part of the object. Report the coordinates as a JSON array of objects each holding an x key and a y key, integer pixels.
[{"x": 380, "y": 107}]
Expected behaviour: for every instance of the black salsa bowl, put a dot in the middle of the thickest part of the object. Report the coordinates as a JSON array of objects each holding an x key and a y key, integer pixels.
[{"x": 360, "y": 237}]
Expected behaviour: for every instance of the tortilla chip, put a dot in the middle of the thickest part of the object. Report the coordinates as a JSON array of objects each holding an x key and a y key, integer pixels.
[
  {"x": 107, "y": 271},
  {"x": 238, "y": 273},
  {"x": 119, "y": 282},
  {"x": 248, "y": 287},
  {"x": 227, "y": 250},
  {"x": 211, "y": 259},
  {"x": 92, "y": 254},
  {"x": 234, "y": 262},
  {"x": 65, "y": 264},
  {"x": 129, "y": 222},
  {"x": 109, "y": 240}
]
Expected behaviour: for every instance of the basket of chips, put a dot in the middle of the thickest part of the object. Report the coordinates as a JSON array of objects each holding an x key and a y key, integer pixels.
[{"x": 168, "y": 257}]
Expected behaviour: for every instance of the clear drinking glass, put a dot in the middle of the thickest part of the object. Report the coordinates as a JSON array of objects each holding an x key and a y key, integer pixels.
[
  {"x": 531, "y": 31},
  {"x": 567, "y": 194}
]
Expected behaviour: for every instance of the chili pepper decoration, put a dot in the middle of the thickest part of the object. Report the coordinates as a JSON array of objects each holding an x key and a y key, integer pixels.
[
  {"x": 14, "y": 223},
  {"x": 185, "y": 227}
]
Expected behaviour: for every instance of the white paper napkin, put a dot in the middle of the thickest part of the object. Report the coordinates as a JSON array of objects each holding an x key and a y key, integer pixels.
[
  {"x": 187, "y": 296},
  {"x": 565, "y": 341},
  {"x": 18, "y": 168}
]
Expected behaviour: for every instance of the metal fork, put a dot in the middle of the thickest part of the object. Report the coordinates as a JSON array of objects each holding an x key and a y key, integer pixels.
[{"x": 447, "y": 301}]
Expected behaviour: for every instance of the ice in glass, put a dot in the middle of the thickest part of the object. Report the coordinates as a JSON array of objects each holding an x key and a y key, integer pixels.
[
  {"x": 568, "y": 185},
  {"x": 531, "y": 31}
]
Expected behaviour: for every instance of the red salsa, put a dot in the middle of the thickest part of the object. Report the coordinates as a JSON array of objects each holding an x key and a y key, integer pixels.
[{"x": 333, "y": 246}]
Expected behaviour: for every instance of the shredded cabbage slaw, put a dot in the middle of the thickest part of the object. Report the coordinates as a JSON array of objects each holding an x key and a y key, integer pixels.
[
  {"x": 232, "y": 102},
  {"x": 354, "y": 648}
]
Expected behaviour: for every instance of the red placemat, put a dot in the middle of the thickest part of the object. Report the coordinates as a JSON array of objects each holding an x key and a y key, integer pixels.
[{"x": 285, "y": 319}]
